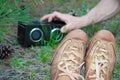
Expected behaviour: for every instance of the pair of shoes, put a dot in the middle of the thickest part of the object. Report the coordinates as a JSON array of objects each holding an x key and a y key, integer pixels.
[{"x": 71, "y": 55}]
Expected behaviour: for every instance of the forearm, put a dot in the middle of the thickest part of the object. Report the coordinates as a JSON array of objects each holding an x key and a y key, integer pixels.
[{"x": 103, "y": 11}]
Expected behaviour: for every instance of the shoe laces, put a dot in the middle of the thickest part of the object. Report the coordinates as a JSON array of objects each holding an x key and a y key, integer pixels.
[
  {"x": 101, "y": 62},
  {"x": 70, "y": 66}
]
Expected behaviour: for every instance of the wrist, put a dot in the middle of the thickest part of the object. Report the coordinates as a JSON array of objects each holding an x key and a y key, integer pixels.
[{"x": 84, "y": 21}]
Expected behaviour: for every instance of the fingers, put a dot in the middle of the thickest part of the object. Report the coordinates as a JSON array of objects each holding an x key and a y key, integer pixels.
[
  {"x": 45, "y": 17},
  {"x": 48, "y": 17},
  {"x": 63, "y": 17},
  {"x": 51, "y": 16}
]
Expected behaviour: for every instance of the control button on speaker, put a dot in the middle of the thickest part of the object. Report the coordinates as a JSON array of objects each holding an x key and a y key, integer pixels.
[
  {"x": 56, "y": 35},
  {"x": 36, "y": 35}
]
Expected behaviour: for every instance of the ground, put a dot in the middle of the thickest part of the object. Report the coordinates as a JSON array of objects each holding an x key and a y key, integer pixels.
[{"x": 33, "y": 63}]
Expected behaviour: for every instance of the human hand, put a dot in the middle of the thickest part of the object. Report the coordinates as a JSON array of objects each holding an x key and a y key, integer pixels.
[{"x": 72, "y": 22}]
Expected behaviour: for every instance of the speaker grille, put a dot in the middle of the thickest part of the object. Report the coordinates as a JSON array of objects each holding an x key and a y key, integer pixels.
[{"x": 36, "y": 35}]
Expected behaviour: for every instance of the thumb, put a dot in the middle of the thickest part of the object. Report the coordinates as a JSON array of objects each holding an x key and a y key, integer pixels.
[{"x": 64, "y": 29}]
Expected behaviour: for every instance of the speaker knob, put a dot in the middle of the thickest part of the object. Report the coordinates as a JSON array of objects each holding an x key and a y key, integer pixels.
[
  {"x": 36, "y": 35},
  {"x": 56, "y": 35}
]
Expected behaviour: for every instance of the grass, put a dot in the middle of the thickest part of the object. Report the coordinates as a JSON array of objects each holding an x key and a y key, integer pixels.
[
  {"x": 44, "y": 55},
  {"x": 34, "y": 63},
  {"x": 10, "y": 12}
]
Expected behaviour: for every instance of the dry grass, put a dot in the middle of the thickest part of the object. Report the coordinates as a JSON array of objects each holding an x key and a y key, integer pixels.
[{"x": 34, "y": 63}]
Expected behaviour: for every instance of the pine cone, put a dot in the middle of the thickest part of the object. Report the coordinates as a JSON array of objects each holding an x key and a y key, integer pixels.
[{"x": 5, "y": 51}]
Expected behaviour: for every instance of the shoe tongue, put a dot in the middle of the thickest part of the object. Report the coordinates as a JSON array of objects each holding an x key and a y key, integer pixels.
[{"x": 63, "y": 78}]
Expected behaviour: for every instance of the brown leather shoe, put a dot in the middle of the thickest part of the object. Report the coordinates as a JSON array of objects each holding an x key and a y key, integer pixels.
[
  {"x": 69, "y": 57},
  {"x": 101, "y": 56}
]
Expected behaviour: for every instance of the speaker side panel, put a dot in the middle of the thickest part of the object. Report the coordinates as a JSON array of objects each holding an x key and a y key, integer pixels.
[{"x": 21, "y": 33}]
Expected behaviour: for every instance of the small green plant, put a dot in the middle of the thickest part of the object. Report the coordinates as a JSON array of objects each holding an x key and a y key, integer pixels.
[
  {"x": 32, "y": 75},
  {"x": 3, "y": 32},
  {"x": 17, "y": 62},
  {"x": 52, "y": 38},
  {"x": 61, "y": 2},
  {"x": 47, "y": 75},
  {"x": 15, "y": 42},
  {"x": 10, "y": 78},
  {"x": 1, "y": 36},
  {"x": 44, "y": 56},
  {"x": 84, "y": 9}
]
